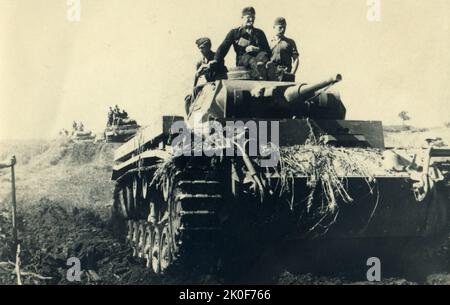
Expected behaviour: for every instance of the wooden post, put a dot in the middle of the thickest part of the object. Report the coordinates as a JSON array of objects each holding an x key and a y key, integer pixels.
[
  {"x": 14, "y": 206},
  {"x": 17, "y": 269}
]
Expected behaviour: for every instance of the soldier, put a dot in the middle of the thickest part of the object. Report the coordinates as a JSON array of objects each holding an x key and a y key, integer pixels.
[
  {"x": 110, "y": 117},
  {"x": 124, "y": 114},
  {"x": 116, "y": 115},
  {"x": 251, "y": 47},
  {"x": 116, "y": 110},
  {"x": 206, "y": 66},
  {"x": 81, "y": 126},
  {"x": 284, "y": 51},
  {"x": 74, "y": 126}
]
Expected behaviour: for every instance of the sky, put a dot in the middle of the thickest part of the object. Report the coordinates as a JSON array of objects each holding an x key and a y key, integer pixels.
[{"x": 141, "y": 55}]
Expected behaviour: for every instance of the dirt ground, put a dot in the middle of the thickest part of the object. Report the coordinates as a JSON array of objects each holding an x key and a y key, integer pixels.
[{"x": 64, "y": 196}]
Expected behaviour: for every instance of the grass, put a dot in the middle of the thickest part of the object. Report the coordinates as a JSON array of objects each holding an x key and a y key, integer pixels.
[
  {"x": 76, "y": 175},
  {"x": 415, "y": 137}
]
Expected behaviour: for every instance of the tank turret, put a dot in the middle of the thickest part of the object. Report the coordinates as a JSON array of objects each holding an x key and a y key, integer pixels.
[{"x": 267, "y": 100}]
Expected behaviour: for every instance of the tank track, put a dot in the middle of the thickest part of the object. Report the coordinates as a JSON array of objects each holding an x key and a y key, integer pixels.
[{"x": 180, "y": 226}]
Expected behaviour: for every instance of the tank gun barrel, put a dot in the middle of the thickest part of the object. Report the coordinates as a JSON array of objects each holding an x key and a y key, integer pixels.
[{"x": 303, "y": 91}]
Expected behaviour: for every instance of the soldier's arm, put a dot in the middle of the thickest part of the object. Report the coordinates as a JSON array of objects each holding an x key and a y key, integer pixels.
[
  {"x": 197, "y": 73},
  {"x": 196, "y": 79},
  {"x": 295, "y": 57},
  {"x": 295, "y": 63},
  {"x": 225, "y": 46},
  {"x": 264, "y": 44}
]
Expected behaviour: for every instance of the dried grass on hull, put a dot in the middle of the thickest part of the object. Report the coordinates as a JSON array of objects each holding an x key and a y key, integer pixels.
[
  {"x": 325, "y": 167},
  {"x": 329, "y": 166}
]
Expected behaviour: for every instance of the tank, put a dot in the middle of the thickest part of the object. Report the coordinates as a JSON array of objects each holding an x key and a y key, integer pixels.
[
  {"x": 121, "y": 130},
  {"x": 82, "y": 136},
  {"x": 258, "y": 161}
]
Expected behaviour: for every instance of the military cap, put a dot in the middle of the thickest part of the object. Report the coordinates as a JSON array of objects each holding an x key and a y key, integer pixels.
[
  {"x": 248, "y": 11},
  {"x": 280, "y": 21},
  {"x": 202, "y": 41}
]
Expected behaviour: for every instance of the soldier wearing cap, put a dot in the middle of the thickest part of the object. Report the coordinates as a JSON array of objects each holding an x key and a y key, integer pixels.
[
  {"x": 110, "y": 116},
  {"x": 205, "y": 66},
  {"x": 251, "y": 46},
  {"x": 284, "y": 51}
]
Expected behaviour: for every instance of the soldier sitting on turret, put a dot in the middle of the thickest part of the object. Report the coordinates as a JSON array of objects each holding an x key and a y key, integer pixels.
[
  {"x": 284, "y": 52},
  {"x": 124, "y": 114},
  {"x": 206, "y": 66},
  {"x": 110, "y": 117},
  {"x": 74, "y": 127},
  {"x": 63, "y": 132},
  {"x": 251, "y": 47},
  {"x": 116, "y": 115}
]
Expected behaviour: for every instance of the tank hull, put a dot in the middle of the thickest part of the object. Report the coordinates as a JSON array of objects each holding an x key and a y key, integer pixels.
[
  {"x": 385, "y": 208},
  {"x": 83, "y": 136},
  {"x": 333, "y": 178},
  {"x": 120, "y": 134}
]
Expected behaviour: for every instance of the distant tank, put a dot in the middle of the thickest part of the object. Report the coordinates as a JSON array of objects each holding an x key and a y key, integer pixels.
[
  {"x": 120, "y": 129},
  {"x": 82, "y": 136},
  {"x": 185, "y": 211}
]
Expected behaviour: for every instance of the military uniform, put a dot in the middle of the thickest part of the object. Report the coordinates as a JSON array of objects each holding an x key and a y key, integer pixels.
[
  {"x": 216, "y": 70},
  {"x": 283, "y": 51},
  {"x": 110, "y": 117},
  {"x": 240, "y": 39},
  {"x": 209, "y": 75}
]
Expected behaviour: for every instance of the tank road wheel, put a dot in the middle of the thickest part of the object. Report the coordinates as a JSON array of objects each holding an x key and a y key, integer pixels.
[
  {"x": 152, "y": 213},
  {"x": 129, "y": 231},
  {"x": 156, "y": 251},
  {"x": 119, "y": 215},
  {"x": 129, "y": 200},
  {"x": 165, "y": 252},
  {"x": 135, "y": 186},
  {"x": 141, "y": 240},
  {"x": 120, "y": 208},
  {"x": 144, "y": 186},
  {"x": 122, "y": 205},
  {"x": 166, "y": 189},
  {"x": 148, "y": 246},
  {"x": 135, "y": 239}
]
